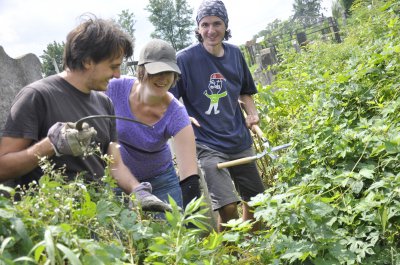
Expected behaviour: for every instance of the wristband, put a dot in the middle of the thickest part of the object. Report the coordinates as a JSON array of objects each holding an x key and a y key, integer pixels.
[
  {"x": 190, "y": 187},
  {"x": 190, "y": 178}
]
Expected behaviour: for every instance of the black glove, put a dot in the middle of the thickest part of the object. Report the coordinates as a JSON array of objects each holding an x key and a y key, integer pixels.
[{"x": 190, "y": 187}]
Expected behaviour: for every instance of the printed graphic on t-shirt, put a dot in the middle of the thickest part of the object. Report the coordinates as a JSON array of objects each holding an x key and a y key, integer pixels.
[{"x": 215, "y": 86}]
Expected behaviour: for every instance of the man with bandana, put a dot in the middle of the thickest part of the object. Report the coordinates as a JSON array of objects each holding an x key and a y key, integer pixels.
[{"x": 215, "y": 77}]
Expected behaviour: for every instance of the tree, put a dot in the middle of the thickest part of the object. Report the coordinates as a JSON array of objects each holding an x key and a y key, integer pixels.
[
  {"x": 306, "y": 12},
  {"x": 337, "y": 9},
  {"x": 127, "y": 22},
  {"x": 346, "y": 4},
  {"x": 172, "y": 21},
  {"x": 52, "y": 56}
]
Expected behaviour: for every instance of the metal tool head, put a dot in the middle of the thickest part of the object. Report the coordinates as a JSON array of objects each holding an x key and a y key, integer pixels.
[{"x": 270, "y": 150}]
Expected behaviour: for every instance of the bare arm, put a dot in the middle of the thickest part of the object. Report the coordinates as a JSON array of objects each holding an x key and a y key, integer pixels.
[
  {"x": 126, "y": 181},
  {"x": 119, "y": 171},
  {"x": 185, "y": 150},
  {"x": 18, "y": 158},
  {"x": 250, "y": 109}
]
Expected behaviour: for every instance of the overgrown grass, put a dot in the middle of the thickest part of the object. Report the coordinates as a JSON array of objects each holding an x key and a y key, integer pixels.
[{"x": 336, "y": 199}]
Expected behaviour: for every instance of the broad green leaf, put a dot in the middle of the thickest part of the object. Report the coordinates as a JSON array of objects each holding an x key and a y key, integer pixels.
[
  {"x": 20, "y": 228},
  {"x": 367, "y": 173},
  {"x": 357, "y": 186},
  {"x": 6, "y": 214},
  {"x": 5, "y": 243},
  {"x": 69, "y": 254},
  {"x": 50, "y": 248},
  {"x": 39, "y": 249},
  {"x": 106, "y": 209}
]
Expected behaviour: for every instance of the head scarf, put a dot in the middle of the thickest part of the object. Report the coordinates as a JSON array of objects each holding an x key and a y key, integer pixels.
[{"x": 212, "y": 8}]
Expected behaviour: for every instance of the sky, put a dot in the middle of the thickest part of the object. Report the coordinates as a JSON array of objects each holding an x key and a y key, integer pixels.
[{"x": 28, "y": 26}]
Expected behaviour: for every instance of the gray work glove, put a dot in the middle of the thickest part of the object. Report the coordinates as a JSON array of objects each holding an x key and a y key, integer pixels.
[
  {"x": 67, "y": 140},
  {"x": 148, "y": 201}
]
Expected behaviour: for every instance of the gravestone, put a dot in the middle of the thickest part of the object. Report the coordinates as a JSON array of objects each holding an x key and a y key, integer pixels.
[
  {"x": 266, "y": 58},
  {"x": 15, "y": 73},
  {"x": 301, "y": 38}
]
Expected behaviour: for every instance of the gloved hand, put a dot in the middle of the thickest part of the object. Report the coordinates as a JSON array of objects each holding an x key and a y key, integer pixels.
[
  {"x": 148, "y": 201},
  {"x": 67, "y": 140},
  {"x": 190, "y": 187}
]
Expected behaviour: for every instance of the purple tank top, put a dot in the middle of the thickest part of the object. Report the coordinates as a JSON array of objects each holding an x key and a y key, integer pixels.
[{"x": 145, "y": 150}]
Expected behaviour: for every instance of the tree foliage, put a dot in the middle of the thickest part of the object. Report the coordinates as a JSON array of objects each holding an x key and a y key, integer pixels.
[
  {"x": 306, "y": 12},
  {"x": 52, "y": 55},
  {"x": 346, "y": 4},
  {"x": 172, "y": 21},
  {"x": 126, "y": 20},
  {"x": 337, "y": 9},
  {"x": 54, "y": 51}
]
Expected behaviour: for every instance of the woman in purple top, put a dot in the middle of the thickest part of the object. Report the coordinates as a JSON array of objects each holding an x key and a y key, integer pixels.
[{"x": 145, "y": 149}]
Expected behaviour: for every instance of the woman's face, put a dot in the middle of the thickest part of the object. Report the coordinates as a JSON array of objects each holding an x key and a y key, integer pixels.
[{"x": 161, "y": 82}]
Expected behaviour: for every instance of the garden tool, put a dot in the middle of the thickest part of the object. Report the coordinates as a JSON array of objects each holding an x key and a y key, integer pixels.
[
  {"x": 81, "y": 121},
  {"x": 267, "y": 151}
]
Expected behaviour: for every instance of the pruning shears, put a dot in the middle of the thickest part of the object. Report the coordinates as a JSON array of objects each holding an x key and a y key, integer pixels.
[{"x": 268, "y": 150}]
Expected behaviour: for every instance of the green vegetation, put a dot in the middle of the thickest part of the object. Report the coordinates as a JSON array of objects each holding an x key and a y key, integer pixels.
[
  {"x": 173, "y": 22},
  {"x": 336, "y": 199},
  {"x": 54, "y": 51},
  {"x": 53, "y": 55},
  {"x": 333, "y": 198}
]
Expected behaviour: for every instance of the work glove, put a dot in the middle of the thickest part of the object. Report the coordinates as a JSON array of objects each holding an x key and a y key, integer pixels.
[
  {"x": 190, "y": 187},
  {"x": 148, "y": 201},
  {"x": 67, "y": 140}
]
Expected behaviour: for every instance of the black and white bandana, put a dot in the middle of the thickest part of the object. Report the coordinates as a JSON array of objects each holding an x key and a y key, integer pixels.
[{"x": 212, "y": 8}]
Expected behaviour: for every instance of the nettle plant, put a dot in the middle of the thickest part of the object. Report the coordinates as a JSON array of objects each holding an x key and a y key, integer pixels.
[
  {"x": 58, "y": 220},
  {"x": 336, "y": 199},
  {"x": 61, "y": 221}
]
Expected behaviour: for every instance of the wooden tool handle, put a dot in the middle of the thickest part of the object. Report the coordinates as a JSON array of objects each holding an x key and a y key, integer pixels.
[
  {"x": 236, "y": 162},
  {"x": 258, "y": 131}
]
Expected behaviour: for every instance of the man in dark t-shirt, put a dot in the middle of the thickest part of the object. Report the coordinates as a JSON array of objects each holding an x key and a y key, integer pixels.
[{"x": 41, "y": 119}]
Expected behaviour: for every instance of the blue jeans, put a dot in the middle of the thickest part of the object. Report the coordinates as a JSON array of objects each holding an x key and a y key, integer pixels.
[{"x": 167, "y": 183}]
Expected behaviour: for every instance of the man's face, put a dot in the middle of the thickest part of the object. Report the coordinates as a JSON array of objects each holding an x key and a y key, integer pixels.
[
  {"x": 100, "y": 74},
  {"x": 212, "y": 30}
]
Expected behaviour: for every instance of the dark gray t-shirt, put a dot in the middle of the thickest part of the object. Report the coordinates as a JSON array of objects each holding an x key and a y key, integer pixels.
[{"x": 43, "y": 103}]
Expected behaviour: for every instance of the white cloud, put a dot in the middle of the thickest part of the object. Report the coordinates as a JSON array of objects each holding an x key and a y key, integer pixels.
[{"x": 28, "y": 26}]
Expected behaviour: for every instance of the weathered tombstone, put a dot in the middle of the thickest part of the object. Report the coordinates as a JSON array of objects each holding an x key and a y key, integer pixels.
[
  {"x": 251, "y": 49},
  {"x": 334, "y": 29},
  {"x": 301, "y": 38},
  {"x": 14, "y": 75},
  {"x": 268, "y": 57}
]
